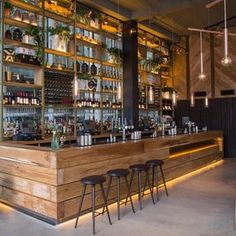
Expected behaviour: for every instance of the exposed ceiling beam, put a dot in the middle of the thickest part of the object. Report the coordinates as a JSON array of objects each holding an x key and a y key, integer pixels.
[
  {"x": 164, "y": 7},
  {"x": 110, "y": 8}
]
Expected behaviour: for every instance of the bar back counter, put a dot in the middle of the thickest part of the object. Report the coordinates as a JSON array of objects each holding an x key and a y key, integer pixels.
[{"x": 46, "y": 183}]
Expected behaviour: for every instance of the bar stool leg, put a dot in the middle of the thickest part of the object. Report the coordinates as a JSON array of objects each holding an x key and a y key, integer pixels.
[
  {"x": 130, "y": 185},
  {"x": 105, "y": 202},
  {"x": 107, "y": 193},
  {"x": 128, "y": 193},
  {"x": 80, "y": 205},
  {"x": 118, "y": 197},
  {"x": 140, "y": 189},
  {"x": 93, "y": 207},
  {"x": 164, "y": 181},
  {"x": 153, "y": 177},
  {"x": 150, "y": 187},
  {"x": 157, "y": 187}
]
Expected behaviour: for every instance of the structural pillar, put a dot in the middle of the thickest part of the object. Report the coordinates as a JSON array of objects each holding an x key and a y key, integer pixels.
[{"x": 130, "y": 72}]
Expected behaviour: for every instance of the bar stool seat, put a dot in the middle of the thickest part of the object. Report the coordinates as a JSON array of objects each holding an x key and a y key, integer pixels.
[
  {"x": 155, "y": 162},
  {"x": 139, "y": 167},
  {"x": 94, "y": 179},
  {"x": 118, "y": 172}
]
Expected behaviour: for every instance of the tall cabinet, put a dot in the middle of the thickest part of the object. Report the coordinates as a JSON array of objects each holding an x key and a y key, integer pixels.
[{"x": 62, "y": 65}]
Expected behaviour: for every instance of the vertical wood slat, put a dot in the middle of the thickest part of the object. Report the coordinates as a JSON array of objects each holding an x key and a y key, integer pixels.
[{"x": 219, "y": 116}]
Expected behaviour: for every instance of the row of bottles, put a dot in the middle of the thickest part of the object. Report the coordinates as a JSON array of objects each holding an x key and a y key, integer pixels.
[
  {"x": 94, "y": 70},
  {"x": 88, "y": 103},
  {"x": 21, "y": 98},
  {"x": 94, "y": 103},
  {"x": 108, "y": 87},
  {"x": 60, "y": 125}
]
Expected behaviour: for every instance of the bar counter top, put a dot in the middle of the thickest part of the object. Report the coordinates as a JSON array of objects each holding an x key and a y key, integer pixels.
[{"x": 46, "y": 183}]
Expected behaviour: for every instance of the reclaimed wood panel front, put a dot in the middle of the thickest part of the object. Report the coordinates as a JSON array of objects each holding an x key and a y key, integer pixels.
[{"x": 47, "y": 184}]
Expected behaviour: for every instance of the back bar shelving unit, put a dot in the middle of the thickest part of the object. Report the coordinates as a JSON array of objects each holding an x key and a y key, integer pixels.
[{"x": 72, "y": 73}]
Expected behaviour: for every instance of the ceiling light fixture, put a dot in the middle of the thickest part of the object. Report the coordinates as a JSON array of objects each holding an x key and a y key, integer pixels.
[
  {"x": 202, "y": 75},
  {"x": 226, "y": 60},
  {"x": 192, "y": 101}
]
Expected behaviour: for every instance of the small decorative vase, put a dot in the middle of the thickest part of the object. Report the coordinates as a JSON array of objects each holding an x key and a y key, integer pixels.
[
  {"x": 55, "y": 141},
  {"x": 8, "y": 34},
  {"x": 93, "y": 70},
  {"x": 17, "y": 34},
  {"x": 85, "y": 68}
]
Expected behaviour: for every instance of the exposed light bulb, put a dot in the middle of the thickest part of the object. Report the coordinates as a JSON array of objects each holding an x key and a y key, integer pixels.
[
  {"x": 151, "y": 95},
  {"x": 226, "y": 61},
  {"x": 174, "y": 98},
  {"x": 206, "y": 102},
  {"x": 192, "y": 103},
  {"x": 76, "y": 86},
  {"x": 202, "y": 76}
]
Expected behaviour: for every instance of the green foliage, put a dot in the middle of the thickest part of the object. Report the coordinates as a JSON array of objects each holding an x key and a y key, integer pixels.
[
  {"x": 86, "y": 15},
  {"x": 34, "y": 32},
  {"x": 7, "y": 5},
  {"x": 117, "y": 53},
  {"x": 84, "y": 76},
  {"x": 63, "y": 31}
]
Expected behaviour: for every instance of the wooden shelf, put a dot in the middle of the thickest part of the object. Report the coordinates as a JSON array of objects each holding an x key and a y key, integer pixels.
[
  {"x": 26, "y": 6},
  {"x": 21, "y": 106},
  {"x": 18, "y": 43},
  {"x": 24, "y": 85},
  {"x": 22, "y": 65},
  {"x": 58, "y": 70},
  {"x": 88, "y": 59},
  {"x": 106, "y": 63},
  {"x": 112, "y": 79},
  {"x": 58, "y": 53},
  {"x": 59, "y": 106},
  {"x": 148, "y": 72},
  {"x": 57, "y": 17},
  {"x": 91, "y": 44},
  {"x": 87, "y": 27},
  {"x": 19, "y": 24}
]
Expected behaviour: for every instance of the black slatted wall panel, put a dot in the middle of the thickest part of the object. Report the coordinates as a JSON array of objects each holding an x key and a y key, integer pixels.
[{"x": 221, "y": 115}]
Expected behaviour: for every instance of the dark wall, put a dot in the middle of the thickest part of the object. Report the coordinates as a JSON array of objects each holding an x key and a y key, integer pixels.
[{"x": 220, "y": 115}]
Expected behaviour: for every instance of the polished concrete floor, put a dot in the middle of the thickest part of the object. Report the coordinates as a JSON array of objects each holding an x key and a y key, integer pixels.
[{"x": 202, "y": 205}]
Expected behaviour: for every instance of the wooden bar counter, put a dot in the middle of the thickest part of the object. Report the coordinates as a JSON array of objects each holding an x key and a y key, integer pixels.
[{"x": 45, "y": 183}]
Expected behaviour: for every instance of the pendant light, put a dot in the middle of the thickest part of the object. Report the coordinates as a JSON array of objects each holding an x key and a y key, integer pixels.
[
  {"x": 226, "y": 60},
  {"x": 202, "y": 75},
  {"x": 192, "y": 101},
  {"x": 206, "y": 102},
  {"x": 174, "y": 98}
]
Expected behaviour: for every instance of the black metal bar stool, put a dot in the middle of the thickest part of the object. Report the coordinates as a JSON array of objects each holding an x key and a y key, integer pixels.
[
  {"x": 93, "y": 181},
  {"x": 140, "y": 169},
  {"x": 154, "y": 164},
  {"x": 118, "y": 174}
]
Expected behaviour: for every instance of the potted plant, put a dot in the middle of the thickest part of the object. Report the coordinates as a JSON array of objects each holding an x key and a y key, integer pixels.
[
  {"x": 60, "y": 37},
  {"x": 7, "y": 9},
  {"x": 34, "y": 36},
  {"x": 89, "y": 17},
  {"x": 116, "y": 55}
]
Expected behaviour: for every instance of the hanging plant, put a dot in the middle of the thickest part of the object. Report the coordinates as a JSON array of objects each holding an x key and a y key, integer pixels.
[
  {"x": 34, "y": 32},
  {"x": 156, "y": 63},
  {"x": 116, "y": 53},
  {"x": 62, "y": 31}
]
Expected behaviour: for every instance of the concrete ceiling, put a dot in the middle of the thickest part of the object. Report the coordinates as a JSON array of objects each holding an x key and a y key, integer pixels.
[{"x": 168, "y": 16}]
